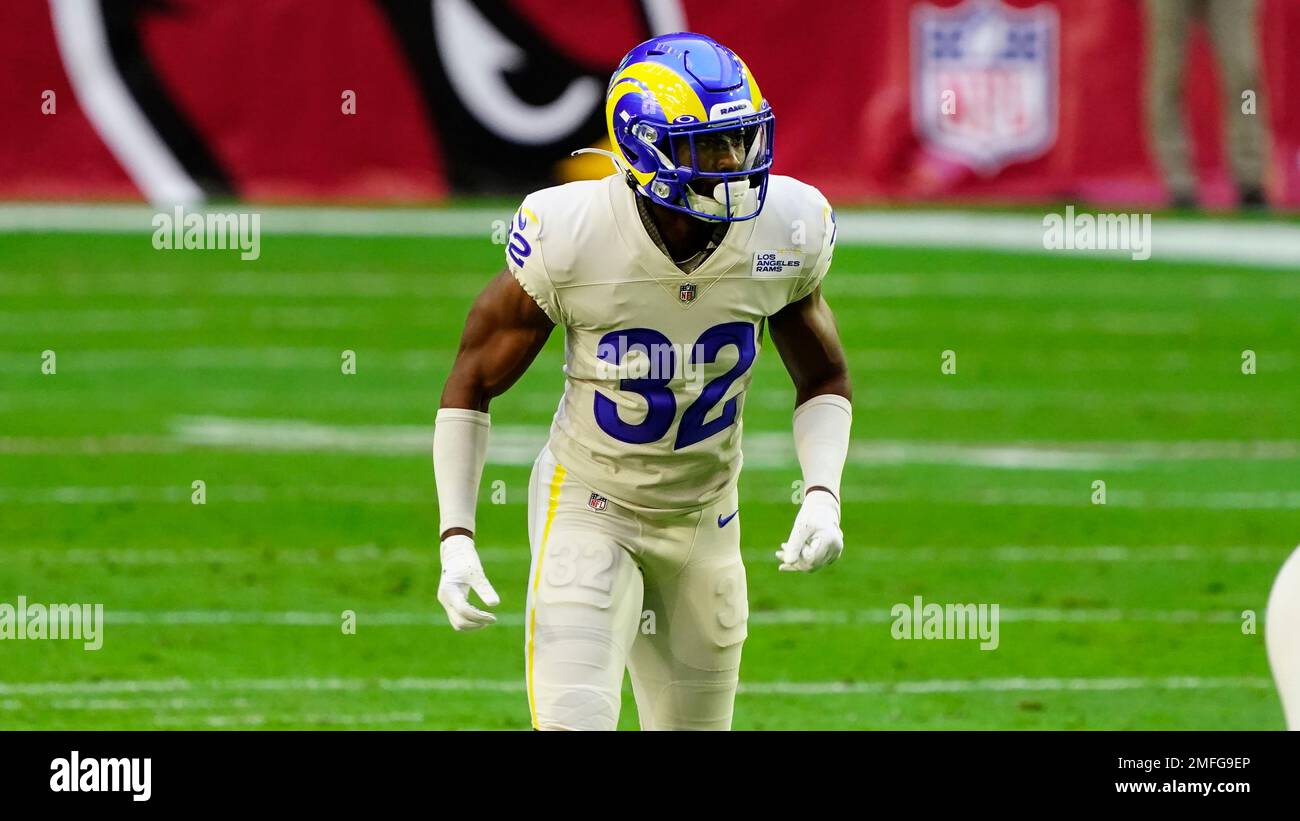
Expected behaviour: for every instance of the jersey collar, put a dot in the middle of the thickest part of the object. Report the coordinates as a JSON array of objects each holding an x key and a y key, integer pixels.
[{"x": 651, "y": 259}]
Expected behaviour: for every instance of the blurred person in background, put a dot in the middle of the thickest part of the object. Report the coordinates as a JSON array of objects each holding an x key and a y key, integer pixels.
[{"x": 1231, "y": 25}]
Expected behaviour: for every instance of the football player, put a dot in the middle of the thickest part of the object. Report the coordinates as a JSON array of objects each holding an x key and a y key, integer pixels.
[
  {"x": 1282, "y": 637},
  {"x": 664, "y": 277}
]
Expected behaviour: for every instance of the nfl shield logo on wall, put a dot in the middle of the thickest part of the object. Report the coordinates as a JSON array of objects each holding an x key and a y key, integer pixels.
[
  {"x": 686, "y": 293},
  {"x": 597, "y": 503},
  {"x": 984, "y": 81}
]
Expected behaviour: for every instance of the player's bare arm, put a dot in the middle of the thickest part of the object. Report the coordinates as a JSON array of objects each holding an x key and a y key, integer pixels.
[
  {"x": 808, "y": 341},
  {"x": 503, "y": 333}
]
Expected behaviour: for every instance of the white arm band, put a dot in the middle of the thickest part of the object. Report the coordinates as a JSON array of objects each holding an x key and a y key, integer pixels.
[
  {"x": 460, "y": 438},
  {"x": 821, "y": 439}
]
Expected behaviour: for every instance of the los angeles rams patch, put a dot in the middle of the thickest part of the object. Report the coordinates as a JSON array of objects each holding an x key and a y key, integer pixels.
[{"x": 778, "y": 263}]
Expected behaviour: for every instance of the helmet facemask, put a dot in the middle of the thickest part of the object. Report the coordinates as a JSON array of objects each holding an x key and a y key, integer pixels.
[{"x": 712, "y": 171}]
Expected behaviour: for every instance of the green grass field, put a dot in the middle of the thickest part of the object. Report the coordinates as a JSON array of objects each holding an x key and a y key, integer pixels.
[{"x": 972, "y": 487}]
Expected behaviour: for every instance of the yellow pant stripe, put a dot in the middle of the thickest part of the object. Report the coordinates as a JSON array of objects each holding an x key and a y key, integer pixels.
[{"x": 557, "y": 479}]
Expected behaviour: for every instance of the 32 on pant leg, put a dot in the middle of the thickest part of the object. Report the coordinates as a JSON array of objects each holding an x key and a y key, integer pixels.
[{"x": 584, "y": 603}]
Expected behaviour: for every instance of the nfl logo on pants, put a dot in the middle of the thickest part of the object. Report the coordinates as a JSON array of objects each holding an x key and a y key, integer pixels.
[
  {"x": 597, "y": 503},
  {"x": 686, "y": 293}
]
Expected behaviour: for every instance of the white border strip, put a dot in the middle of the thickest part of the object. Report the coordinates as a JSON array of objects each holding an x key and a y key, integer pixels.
[
  {"x": 794, "y": 688},
  {"x": 519, "y": 445},
  {"x": 1225, "y": 242},
  {"x": 293, "y": 618},
  {"x": 426, "y": 555}
]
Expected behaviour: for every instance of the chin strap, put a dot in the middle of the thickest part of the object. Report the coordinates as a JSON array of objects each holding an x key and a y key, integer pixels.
[
  {"x": 716, "y": 206},
  {"x": 614, "y": 158},
  {"x": 619, "y": 166}
]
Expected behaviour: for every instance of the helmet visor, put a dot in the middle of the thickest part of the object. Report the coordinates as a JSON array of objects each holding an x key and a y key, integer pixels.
[
  {"x": 720, "y": 162},
  {"x": 725, "y": 150}
]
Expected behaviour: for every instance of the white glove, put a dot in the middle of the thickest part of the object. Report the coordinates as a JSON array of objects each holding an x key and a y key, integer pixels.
[
  {"x": 462, "y": 572},
  {"x": 816, "y": 539}
]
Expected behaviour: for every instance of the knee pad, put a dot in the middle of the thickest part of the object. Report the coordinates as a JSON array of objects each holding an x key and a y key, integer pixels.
[
  {"x": 576, "y": 707},
  {"x": 577, "y": 677},
  {"x": 704, "y": 701}
]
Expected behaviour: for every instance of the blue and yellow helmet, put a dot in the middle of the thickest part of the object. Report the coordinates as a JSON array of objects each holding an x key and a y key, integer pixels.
[{"x": 678, "y": 100}]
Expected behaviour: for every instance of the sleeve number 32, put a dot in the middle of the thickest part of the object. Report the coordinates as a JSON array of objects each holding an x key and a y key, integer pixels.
[{"x": 660, "y": 402}]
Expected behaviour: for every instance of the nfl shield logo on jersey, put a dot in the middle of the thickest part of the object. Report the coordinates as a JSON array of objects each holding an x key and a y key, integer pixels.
[
  {"x": 597, "y": 503},
  {"x": 984, "y": 81},
  {"x": 686, "y": 293}
]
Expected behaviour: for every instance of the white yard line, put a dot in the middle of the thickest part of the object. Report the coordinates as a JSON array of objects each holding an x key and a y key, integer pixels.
[
  {"x": 1000, "y": 399},
  {"x": 246, "y": 358},
  {"x": 1170, "y": 289},
  {"x": 117, "y": 704},
  {"x": 1121, "y": 497},
  {"x": 519, "y": 444},
  {"x": 1178, "y": 290},
  {"x": 985, "y": 322},
  {"x": 236, "y": 494},
  {"x": 349, "y": 285},
  {"x": 218, "y": 721},
  {"x": 121, "y": 443},
  {"x": 880, "y": 616},
  {"x": 1004, "y": 685},
  {"x": 1173, "y": 240},
  {"x": 428, "y": 555},
  {"x": 434, "y": 360},
  {"x": 997, "y": 399},
  {"x": 791, "y": 688},
  {"x": 326, "y": 221},
  {"x": 1019, "y": 496}
]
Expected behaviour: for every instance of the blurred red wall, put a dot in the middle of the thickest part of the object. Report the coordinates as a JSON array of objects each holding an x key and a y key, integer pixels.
[{"x": 259, "y": 85}]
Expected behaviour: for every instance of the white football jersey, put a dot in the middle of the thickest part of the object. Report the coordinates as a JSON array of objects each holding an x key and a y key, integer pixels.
[{"x": 657, "y": 362}]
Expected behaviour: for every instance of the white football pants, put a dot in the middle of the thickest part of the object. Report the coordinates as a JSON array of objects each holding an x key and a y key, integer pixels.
[
  {"x": 1282, "y": 636},
  {"x": 663, "y": 596}
]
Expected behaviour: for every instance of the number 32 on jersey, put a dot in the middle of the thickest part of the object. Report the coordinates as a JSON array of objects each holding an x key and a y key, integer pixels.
[{"x": 661, "y": 402}]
